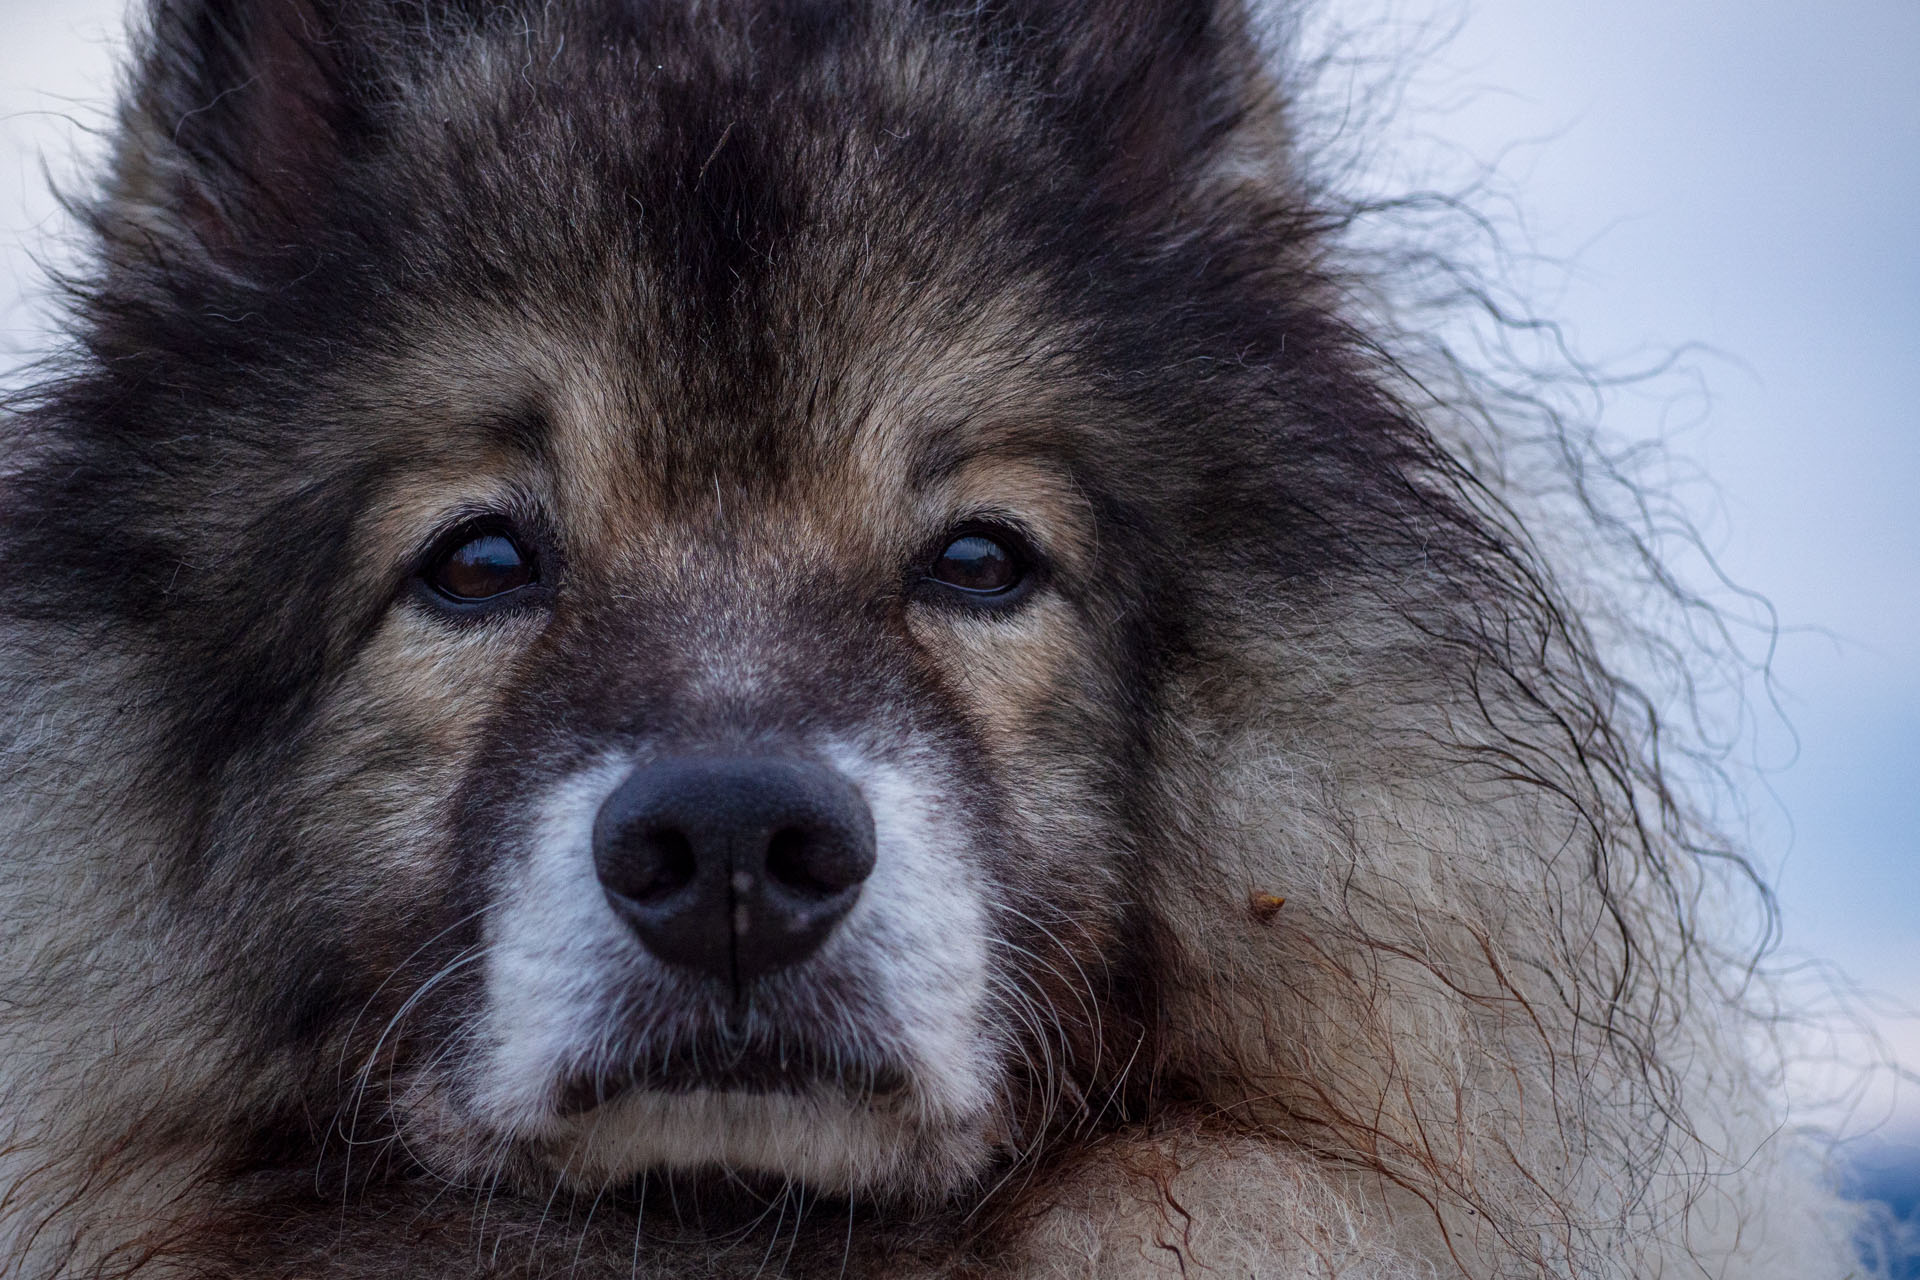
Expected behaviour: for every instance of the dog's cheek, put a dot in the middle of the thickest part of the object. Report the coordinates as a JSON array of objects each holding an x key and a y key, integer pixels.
[
  {"x": 1039, "y": 692},
  {"x": 1008, "y": 673},
  {"x": 366, "y": 822},
  {"x": 1030, "y": 689}
]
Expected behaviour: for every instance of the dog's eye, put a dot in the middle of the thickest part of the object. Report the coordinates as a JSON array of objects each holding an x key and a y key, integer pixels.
[
  {"x": 480, "y": 567},
  {"x": 978, "y": 564}
]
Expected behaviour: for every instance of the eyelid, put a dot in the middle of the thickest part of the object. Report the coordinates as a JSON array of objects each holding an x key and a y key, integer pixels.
[
  {"x": 511, "y": 507},
  {"x": 991, "y": 522},
  {"x": 460, "y": 527}
]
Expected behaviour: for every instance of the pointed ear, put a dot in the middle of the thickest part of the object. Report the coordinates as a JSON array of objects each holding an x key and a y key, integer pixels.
[
  {"x": 1167, "y": 93},
  {"x": 237, "y": 121}
]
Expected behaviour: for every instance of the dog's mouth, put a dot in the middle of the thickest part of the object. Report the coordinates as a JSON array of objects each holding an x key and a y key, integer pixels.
[{"x": 718, "y": 1066}]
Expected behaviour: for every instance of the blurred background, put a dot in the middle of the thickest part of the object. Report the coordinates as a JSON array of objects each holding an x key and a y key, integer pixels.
[{"x": 1741, "y": 176}]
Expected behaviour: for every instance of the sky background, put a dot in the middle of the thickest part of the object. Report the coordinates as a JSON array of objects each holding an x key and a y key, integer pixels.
[{"x": 1741, "y": 175}]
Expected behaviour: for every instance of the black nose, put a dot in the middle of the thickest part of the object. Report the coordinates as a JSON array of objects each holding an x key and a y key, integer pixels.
[{"x": 733, "y": 868}]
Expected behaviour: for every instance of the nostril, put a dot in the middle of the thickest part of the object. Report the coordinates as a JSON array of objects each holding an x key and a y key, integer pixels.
[
  {"x": 794, "y": 862},
  {"x": 665, "y": 865}
]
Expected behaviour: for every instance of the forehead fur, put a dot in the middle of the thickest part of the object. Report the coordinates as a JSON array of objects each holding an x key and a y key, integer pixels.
[
  {"x": 848, "y": 269},
  {"x": 721, "y": 236}
]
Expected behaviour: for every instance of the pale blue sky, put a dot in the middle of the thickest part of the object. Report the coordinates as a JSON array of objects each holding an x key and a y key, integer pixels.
[{"x": 1745, "y": 175}]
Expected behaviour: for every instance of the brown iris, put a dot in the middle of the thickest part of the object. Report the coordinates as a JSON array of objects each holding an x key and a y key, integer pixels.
[
  {"x": 486, "y": 565},
  {"x": 977, "y": 564}
]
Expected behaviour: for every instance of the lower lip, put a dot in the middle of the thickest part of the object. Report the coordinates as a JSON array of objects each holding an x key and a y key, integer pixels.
[{"x": 750, "y": 1078}]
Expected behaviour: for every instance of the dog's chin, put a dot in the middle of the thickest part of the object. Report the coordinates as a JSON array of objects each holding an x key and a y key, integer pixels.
[{"x": 877, "y": 1144}]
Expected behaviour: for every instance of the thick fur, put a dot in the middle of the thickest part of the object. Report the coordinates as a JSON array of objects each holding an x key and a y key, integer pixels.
[{"x": 1284, "y": 887}]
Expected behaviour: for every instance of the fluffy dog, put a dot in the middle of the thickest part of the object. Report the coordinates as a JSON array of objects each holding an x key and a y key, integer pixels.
[{"x": 678, "y": 637}]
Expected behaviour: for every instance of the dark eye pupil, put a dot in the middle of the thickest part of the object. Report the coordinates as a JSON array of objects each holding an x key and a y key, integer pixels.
[
  {"x": 482, "y": 567},
  {"x": 976, "y": 563}
]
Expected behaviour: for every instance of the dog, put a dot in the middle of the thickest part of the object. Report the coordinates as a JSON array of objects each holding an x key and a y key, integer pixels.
[{"x": 726, "y": 637}]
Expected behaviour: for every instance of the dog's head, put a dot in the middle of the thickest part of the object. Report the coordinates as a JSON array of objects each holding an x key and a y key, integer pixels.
[{"x": 666, "y": 562}]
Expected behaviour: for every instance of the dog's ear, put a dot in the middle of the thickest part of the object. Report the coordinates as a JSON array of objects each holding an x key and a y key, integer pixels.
[
  {"x": 1167, "y": 94},
  {"x": 239, "y": 117}
]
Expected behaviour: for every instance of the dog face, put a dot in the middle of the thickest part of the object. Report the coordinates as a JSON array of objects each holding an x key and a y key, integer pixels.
[
  {"x": 652, "y": 581},
  {"x": 745, "y": 756},
  {"x": 759, "y": 785}
]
